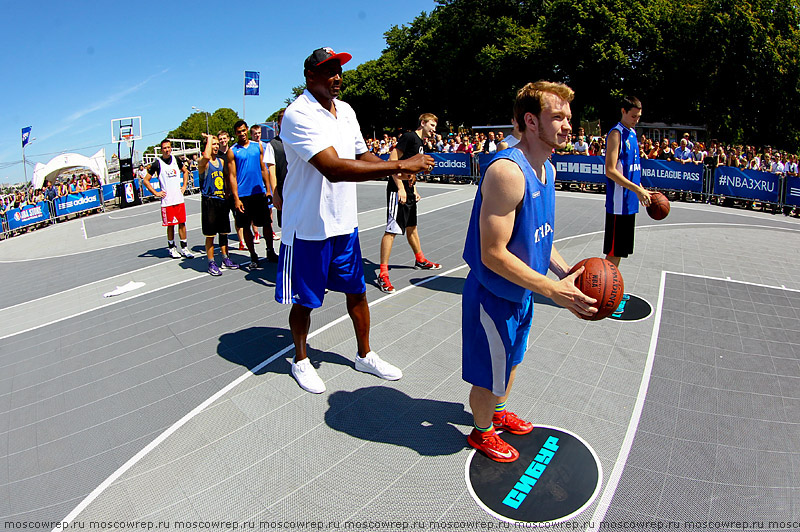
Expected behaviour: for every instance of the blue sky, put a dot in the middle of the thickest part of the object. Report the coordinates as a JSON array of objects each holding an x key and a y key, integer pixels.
[{"x": 70, "y": 67}]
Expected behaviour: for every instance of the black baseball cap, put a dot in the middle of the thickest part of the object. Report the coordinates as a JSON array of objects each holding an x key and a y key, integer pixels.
[{"x": 321, "y": 55}]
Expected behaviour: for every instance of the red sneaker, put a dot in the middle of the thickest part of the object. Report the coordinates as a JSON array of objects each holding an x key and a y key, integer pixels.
[
  {"x": 490, "y": 444},
  {"x": 427, "y": 265},
  {"x": 510, "y": 422},
  {"x": 241, "y": 245},
  {"x": 384, "y": 284}
]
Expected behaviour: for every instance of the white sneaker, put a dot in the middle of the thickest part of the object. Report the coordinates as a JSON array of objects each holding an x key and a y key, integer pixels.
[
  {"x": 173, "y": 252},
  {"x": 307, "y": 377},
  {"x": 186, "y": 253},
  {"x": 372, "y": 363}
]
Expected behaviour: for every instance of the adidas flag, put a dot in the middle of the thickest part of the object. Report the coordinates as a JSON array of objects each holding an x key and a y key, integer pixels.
[
  {"x": 26, "y": 135},
  {"x": 251, "y": 83}
]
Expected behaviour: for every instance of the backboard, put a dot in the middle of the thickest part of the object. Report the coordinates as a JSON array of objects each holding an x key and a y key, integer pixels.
[{"x": 129, "y": 128}]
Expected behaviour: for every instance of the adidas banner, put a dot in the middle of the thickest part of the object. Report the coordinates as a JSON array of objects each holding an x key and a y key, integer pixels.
[
  {"x": 81, "y": 201},
  {"x": 451, "y": 164},
  {"x": 251, "y": 82}
]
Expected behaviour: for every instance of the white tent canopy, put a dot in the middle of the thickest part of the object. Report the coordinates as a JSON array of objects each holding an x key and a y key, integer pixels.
[{"x": 66, "y": 161}]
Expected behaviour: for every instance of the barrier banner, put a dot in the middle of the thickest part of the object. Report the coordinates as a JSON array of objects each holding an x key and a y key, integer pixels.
[
  {"x": 580, "y": 168},
  {"x": 30, "y": 214},
  {"x": 748, "y": 184},
  {"x": 80, "y": 201},
  {"x": 672, "y": 176},
  {"x": 451, "y": 164},
  {"x": 483, "y": 161},
  {"x": 792, "y": 191},
  {"x": 109, "y": 192},
  {"x": 155, "y": 184}
]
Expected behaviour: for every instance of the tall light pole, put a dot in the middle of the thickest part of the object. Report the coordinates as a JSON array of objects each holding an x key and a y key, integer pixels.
[{"x": 206, "y": 113}]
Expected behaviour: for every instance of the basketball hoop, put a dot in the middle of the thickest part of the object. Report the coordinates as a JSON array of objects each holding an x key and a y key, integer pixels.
[{"x": 128, "y": 139}]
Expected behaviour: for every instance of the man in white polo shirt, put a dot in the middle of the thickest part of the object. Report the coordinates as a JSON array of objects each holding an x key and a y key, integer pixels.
[{"x": 326, "y": 155}]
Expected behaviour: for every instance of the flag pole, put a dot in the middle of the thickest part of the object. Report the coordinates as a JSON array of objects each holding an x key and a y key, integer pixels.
[
  {"x": 24, "y": 166},
  {"x": 244, "y": 93}
]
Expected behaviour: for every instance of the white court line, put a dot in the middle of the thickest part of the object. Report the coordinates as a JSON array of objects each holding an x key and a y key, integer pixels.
[
  {"x": 111, "y": 246},
  {"x": 147, "y": 213},
  {"x": 633, "y": 424},
  {"x": 113, "y": 302},
  {"x": 205, "y": 404},
  {"x": 83, "y": 225},
  {"x": 616, "y": 473},
  {"x": 624, "y": 452}
]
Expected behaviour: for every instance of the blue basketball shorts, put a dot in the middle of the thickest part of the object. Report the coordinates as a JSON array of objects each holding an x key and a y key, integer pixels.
[
  {"x": 494, "y": 336},
  {"x": 308, "y": 267}
]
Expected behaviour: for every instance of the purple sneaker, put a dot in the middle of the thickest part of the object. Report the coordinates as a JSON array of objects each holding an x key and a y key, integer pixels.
[
  {"x": 213, "y": 269},
  {"x": 229, "y": 264}
]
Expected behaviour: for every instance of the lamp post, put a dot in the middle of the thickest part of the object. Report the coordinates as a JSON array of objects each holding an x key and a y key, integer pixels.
[{"x": 206, "y": 113}]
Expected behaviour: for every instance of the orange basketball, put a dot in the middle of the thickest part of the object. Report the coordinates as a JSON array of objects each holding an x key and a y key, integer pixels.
[
  {"x": 602, "y": 281},
  {"x": 659, "y": 206}
]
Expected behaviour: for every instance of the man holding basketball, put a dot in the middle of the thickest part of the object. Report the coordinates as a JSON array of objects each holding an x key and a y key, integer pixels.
[
  {"x": 624, "y": 191},
  {"x": 509, "y": 249}
]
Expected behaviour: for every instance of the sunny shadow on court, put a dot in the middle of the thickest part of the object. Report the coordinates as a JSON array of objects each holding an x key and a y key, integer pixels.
[{"x": 385, "y": 415}]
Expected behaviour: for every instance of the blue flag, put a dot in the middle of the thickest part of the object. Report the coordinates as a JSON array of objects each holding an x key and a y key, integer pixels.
[
  {"x": 251, "y": 80},
  {"x": 26, "y": 135}
]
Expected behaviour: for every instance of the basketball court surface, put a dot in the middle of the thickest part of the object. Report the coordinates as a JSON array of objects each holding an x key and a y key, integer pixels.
[{"x": 172, "y": 407}]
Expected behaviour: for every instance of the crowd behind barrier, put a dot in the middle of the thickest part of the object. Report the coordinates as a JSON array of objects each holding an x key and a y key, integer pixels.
[
  {"x": 23, "y": 211},
  {"x": 722, "y": 174}
]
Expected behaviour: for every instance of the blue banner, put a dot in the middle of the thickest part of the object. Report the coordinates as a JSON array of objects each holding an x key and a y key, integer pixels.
[
  {"x": 26, "y": 135},
  {"x": 483, "y": 161},
  {"x": 109, "y": 192},
  {"x": 580, "y": 168},
  {"x": 81, "y": 201},
  {"x": 749, "y": 184},
  {"x": 155, "y": 184},
  {"x": 251, "y": 81},
  {"x": 30, "y": 214},
  {"x": 792, "y": 191},
  {"x": 670, "y": 175},
  {"x": 451, "y": 164}
]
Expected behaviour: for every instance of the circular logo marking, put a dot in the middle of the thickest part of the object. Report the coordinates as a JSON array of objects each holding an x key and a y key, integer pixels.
[
  {"x": 632, "y": 308},
  {"x": 555, "y": 478}
]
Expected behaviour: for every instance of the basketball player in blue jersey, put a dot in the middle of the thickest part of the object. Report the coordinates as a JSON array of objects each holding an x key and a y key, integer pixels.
[
  {"x": 509, "y": 249},
  {"x": 214, "y": 207},
  {"x": 624, "y": 191},
  {"x": 248, "y": 181}
]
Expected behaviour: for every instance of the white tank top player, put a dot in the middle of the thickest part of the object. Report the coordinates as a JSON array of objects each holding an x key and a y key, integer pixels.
[{"x": 170, "y": 180}]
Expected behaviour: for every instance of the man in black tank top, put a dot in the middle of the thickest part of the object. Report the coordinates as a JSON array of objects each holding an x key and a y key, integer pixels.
[{"x": 401, "y": 203}]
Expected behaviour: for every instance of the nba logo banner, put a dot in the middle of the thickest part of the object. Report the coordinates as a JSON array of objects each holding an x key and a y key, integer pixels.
[
  {"x": 129, "y": 197},
  {"x": 26, "y": 135},
  {"x": 251, "y": 80}
]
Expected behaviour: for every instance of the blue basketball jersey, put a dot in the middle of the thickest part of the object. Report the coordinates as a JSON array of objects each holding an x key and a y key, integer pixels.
[
  {"x": 532, "y": 237},
  {"x": 212, "y": 181},
  {"x": 248, "y": 169},
  {"x": 620, "y": 200}
]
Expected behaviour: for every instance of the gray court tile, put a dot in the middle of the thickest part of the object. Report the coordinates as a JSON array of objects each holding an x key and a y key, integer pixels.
[
  {"x": 684, "y": 501},
  {"x": 692, "y": 460}
]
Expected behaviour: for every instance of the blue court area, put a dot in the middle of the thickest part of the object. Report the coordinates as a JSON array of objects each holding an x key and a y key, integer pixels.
[{"x": 172, "y": 406}]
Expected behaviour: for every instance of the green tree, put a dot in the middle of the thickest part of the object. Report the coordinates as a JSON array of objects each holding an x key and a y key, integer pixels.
[
  {"x": 194, "y": 126},
  {"x": 733, "y": 66}
]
